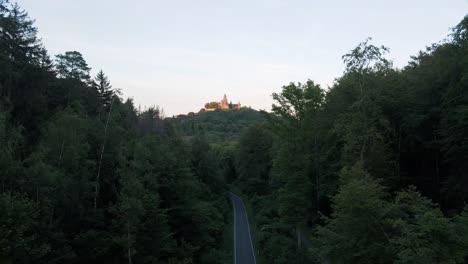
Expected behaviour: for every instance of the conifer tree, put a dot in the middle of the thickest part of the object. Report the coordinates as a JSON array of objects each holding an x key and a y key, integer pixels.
[{"x": 104, "y": 89}]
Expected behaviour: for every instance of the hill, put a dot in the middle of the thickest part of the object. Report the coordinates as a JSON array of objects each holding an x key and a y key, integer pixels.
[{"x": 217, "y": 126}]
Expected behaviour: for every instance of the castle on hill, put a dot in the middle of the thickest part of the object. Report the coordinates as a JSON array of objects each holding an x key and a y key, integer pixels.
[{"x": 223, "y": 104}]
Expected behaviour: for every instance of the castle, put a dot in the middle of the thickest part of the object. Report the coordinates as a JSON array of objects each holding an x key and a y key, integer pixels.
[{"x": 224, "y": 104}]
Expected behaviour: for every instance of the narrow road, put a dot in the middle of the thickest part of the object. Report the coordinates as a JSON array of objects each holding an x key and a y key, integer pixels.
[{"x": 243, "y": 247}]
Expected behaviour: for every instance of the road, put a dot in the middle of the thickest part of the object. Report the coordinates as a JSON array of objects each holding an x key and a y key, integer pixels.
[{"x": 243, "y": 247}]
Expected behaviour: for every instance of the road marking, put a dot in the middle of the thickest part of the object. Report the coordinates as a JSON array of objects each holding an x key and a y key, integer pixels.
[{"x": 248, "y": 228}]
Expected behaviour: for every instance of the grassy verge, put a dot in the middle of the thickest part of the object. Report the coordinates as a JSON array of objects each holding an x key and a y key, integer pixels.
[{"x": 228, "y": 236}]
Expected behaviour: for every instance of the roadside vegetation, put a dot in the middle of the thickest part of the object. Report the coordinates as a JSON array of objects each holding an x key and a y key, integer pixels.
[
  {"x": 375, "y": 165},
  {"x": 87, "y": 178}
]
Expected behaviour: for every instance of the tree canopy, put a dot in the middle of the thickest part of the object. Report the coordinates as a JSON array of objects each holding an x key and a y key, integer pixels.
[{"x": 370, "y": 170}]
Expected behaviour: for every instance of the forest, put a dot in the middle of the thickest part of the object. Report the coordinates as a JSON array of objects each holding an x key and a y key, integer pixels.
[
  {"x": 85, "y": 177},
  {"x": 370, "y": 170},
  {"x": 373, "y": 169},
  {"x": 217, "y": 126}
]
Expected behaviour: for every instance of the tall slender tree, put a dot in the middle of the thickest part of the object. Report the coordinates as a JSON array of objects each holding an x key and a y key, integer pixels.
[
  {"x": 297, "y": 106},
  {"x": 104, "y": 89}
]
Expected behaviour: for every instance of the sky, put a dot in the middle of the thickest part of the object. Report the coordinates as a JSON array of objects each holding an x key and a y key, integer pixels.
[{"x": 180, "y": 54}]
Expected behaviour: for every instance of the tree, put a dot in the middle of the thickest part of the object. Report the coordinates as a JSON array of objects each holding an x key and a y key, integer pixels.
[
  {"x": 366, "y": 58},
  {"x": 19, "y": 242},
  {"x": 296, "y": 101},
  {"x": 130, "y": 210},
  {"x": 454, "y": 118},
  {"x": 104, "y": 89},
  {"x": 154, "y": 240},
  {"x": 25, "y": 76},
  {"x": 150, "y": 121},
  {"x": 152, "y": 205},
  {"x": 72, "y": 65},
  {"x": 362, "y": 122},
  {"x": 226, "y": 154},
  {"x": 10, "y": 139},
  {"x": 19, "y": 42},
  {"x": 254, "y": 160},
  {"x": 74, "y": 79},
  {"x": 294, "y": 122},
  {"x": 205, "y": 165},
  {"x": 368, "y": 227},
  {"x": 64, "y": 147},
  {"x": 212, "y": 105},
  {"x": 356, "y": 231},
  {"x": 423, "y": 234}
]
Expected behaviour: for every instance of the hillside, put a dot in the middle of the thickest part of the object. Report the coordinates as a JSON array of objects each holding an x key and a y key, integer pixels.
[{"x": 216, "y": 126}]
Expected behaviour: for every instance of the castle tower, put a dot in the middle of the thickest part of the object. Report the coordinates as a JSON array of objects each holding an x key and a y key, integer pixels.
[{"x": 224, "y": 103}]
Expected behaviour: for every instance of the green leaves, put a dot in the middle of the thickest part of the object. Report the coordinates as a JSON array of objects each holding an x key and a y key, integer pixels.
[
  {"x": 10, "y": 139},
  {"x": 254, "y": 160},
  {"x": 160, "y": 199},
  {"x": 366, "y": 57},
  {"x": 367, "y": 227},
  {"x": 460, "y": 32},
  {"x": 72, "y": 65},
  {"x": 297, "y": 100},
  {"x": 19, "y": 239},
  {"x": 18, "y": 37},
  {"x": 104, "y": 89},
  {"x": 423, "y": 234},
  {"x": 355, "y": 233}
]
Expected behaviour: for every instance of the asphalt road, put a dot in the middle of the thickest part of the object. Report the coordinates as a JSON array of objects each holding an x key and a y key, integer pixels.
[{"x": 243, "y": 247}]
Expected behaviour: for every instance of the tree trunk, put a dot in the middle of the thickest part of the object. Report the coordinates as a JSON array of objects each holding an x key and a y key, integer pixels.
[
  {"x": 317, "y": 181},
  {"x": 362, "y": 151},
  {"x": 129, "y": 244},
  {"x": 61, "y": 153},
  {"x": 51, "y": 219},
  {"x": 96, "y": 190},
  {"x": 298, "y": 235},
  {"x": 437, "y": 165},
  {"x": 399, "y": 155}
]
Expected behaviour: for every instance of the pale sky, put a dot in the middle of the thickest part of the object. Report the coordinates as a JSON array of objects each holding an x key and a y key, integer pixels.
[{"x": 180, "y": 54}]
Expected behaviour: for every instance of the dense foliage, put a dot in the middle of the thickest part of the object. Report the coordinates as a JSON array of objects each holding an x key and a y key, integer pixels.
[
  {"x": 216, "y": 126},
  {"x": 371, "y": 170},
  {"x": 85, "y": 177}
]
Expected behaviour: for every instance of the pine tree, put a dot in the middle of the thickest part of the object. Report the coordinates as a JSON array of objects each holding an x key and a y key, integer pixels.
[
  {"x": 104, "y": 89},
  {"x": 72, "y": 65}
]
